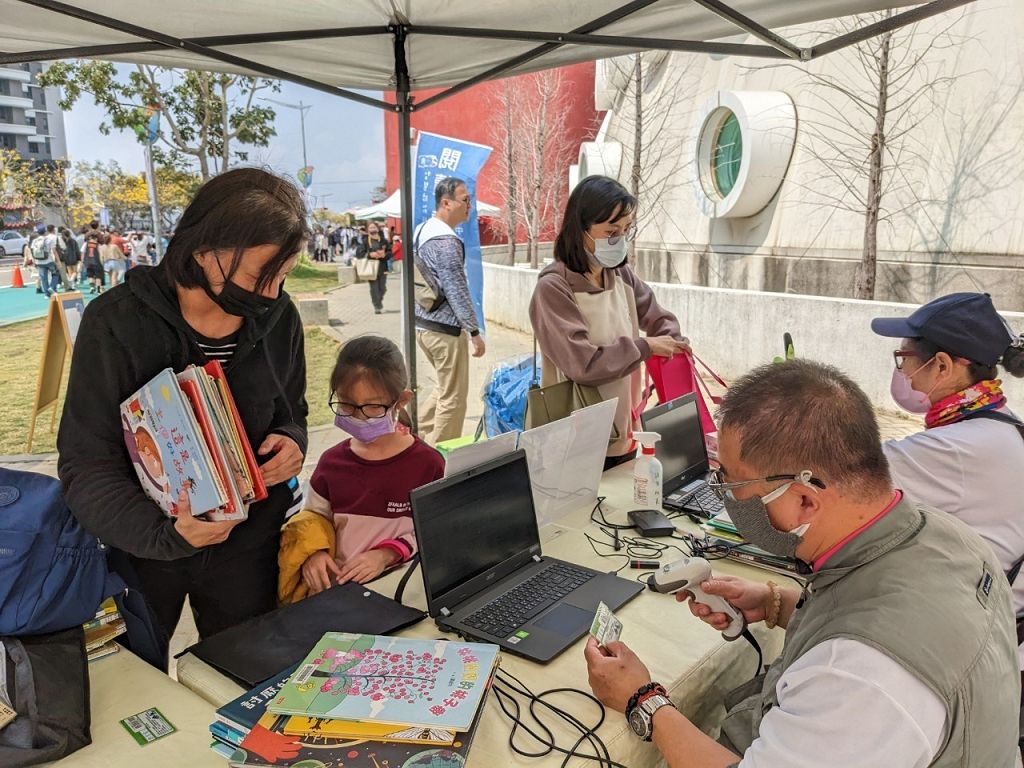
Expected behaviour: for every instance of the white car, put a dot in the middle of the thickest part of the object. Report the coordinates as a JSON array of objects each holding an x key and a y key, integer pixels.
[{"x": 11, "y": 243}]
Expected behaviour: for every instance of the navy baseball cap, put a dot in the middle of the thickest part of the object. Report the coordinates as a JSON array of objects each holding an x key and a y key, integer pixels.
[{"x": 962, "y": 324}]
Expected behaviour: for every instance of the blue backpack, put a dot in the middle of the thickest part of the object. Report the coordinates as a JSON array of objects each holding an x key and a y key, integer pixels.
[{"x": 53, "y": 575}]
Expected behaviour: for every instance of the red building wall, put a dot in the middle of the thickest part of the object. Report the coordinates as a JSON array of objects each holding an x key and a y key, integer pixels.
[{"x": 465, "y": 116}]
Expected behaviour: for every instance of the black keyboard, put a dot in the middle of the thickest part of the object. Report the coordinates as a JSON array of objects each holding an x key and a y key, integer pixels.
[
  {"x": 703, "y": 501},
  {"x": 506, "y": 613}
]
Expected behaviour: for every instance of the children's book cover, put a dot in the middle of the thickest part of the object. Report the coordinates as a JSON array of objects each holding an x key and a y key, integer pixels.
[
  {"x": 166, "y": 448},
  {"x": 347, "y": 729},
  {"x": 433, "y": 684},
  {"x": 245, "y": 711},
  {"x": 268, "y": 746}
]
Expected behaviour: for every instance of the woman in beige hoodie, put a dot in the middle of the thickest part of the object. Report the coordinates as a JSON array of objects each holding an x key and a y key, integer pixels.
[{"x": 589, "y": 307}]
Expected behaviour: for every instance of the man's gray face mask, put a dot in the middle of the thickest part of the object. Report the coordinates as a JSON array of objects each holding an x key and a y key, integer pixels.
[{"x": 750, "y": 516}]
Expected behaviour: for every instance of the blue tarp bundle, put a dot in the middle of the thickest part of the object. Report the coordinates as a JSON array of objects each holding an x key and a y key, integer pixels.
[{"x": 505, "y": 395}]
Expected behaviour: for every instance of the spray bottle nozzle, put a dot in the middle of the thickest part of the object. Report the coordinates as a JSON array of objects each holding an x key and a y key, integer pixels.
[{"x": 647, "y": 441}]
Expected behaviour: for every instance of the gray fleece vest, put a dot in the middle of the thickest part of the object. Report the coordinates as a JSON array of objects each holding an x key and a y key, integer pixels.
[{"x": 923, "y": 589}]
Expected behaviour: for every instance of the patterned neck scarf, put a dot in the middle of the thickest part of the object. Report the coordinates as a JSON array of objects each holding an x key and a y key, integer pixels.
[{"x": 984, "y": 396}]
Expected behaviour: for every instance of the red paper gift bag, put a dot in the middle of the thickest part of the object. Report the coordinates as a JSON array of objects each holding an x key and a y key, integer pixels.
[{"x": 677, "y": 377}]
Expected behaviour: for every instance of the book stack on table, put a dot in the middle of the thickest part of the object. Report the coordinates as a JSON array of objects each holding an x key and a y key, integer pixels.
[
  {"x": 362, "y": 700},
  {"x": 722, "y": 532},
  {"x": 101, "y": 631}
]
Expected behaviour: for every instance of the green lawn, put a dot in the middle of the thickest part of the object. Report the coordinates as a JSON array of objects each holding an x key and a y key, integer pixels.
[
  {"x": 310, "y": 278},
  {"x": 19, "y": 367}
]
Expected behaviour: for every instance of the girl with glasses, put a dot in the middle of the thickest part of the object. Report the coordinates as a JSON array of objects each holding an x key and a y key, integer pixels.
[{"x": 356, "y": 521}]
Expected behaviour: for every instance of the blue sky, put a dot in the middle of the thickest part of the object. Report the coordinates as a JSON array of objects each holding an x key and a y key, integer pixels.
[{"x": 344, "y": 144}]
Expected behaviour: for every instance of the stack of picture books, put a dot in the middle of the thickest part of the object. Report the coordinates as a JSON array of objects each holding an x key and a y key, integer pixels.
[
  {"x": 183, "y": 432},
  {"x": 363, "y": 701},
  {"x": 722, "y": 531},
  {"x": 101, "y": 631}
]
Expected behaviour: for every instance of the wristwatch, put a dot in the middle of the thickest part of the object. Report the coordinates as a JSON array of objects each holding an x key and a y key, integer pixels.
[{"x": 641, "y": 717}]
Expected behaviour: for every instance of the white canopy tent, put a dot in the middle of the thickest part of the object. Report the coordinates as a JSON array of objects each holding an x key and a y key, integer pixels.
[
  {"x": 403, "y": 45},
  {"x": 392, "y": 208}
]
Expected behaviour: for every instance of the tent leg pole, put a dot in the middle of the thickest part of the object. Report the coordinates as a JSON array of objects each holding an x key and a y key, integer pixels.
[{"x": 404, "y": 103}]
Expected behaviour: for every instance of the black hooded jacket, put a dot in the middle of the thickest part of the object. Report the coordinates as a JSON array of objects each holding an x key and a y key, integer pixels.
[{"x": 127, "y": 336}]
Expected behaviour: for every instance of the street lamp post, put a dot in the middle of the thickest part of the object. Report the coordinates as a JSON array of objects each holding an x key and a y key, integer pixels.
[{"x": 302, "y": 120}]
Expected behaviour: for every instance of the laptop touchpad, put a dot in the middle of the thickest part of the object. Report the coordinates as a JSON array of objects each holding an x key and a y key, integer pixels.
[{"x": 565, "y": 620}]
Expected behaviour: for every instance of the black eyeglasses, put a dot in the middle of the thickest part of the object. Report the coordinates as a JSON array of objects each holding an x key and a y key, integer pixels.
[{"x": 369, "y": 410}]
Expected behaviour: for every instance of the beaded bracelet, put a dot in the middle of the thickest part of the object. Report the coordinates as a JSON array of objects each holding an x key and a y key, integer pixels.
[
  {"x": 650, "y": 688},
  {"x": 771, "y": 618}
]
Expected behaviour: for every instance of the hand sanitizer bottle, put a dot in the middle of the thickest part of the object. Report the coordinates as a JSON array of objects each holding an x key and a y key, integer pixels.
[{"x": 647, "y": 473}]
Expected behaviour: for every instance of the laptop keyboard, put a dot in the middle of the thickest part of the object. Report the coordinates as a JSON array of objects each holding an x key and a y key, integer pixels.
[
  {"x": 505, "y": 614},
  {"x": 703, "y": 499}
]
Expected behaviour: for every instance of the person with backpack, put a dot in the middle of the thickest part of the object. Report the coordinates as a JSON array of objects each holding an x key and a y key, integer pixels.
[
  {"x": 93, "y": 262},
  {"x": 71, "y": 256},
  {"x": 44, "y": 255},
  {"x": 216, "y": 295}
]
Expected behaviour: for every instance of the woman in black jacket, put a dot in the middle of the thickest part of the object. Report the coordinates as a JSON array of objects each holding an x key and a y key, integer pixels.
[
  {"x": 217, "y": 295},
  {"x": 375, "y": 246}
]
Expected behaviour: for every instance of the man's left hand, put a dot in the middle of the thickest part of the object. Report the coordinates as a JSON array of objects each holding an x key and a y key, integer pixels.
[
  {"x": 286, "y": 461},
  {"x": 616, "y": 673}
]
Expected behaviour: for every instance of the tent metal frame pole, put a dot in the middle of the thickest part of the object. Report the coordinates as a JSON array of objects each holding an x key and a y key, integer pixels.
[
  {"x": 751, "y": 27},
  {"x": 169, "y": 41},
  {"x": 609, "y": 41},
  {"x": 903, "y": 19},
  {"x": 403, "y": 106},
  {"x": 599, "y": 23}
]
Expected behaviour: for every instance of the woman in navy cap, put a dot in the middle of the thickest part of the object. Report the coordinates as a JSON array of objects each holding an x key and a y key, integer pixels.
[{"x": 969, "y": 458}]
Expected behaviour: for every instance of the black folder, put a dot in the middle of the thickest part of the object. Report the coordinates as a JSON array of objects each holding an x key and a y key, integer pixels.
[{"x": 262, "y": 646}]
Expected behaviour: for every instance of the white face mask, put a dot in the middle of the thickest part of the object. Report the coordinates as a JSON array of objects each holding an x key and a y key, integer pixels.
[{"x": 607, "y": 255}]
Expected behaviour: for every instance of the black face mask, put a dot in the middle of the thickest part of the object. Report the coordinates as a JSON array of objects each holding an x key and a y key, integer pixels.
[{"x": 237, "y": 301}]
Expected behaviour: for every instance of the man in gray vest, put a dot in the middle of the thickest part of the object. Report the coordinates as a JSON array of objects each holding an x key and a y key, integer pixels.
[{"x": 901, "y": 649}]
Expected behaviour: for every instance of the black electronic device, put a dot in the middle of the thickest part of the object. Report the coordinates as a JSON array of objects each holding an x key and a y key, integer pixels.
[
  {"x": 650, "y": 523},
  {"x": 484, "y": 574}
]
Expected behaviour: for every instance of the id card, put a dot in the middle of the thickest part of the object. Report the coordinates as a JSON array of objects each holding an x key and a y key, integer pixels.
[
  {"x": 148, "y": 726},
  {"x": 606, "y": 628}
]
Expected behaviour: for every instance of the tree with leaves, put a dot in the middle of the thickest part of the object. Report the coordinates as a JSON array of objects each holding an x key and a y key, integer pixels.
[
  {"x": 36, "y": 184},
  {"x": 206, "y": 116}
]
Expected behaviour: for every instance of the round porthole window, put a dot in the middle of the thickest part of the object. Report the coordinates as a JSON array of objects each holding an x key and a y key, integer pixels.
[
  {"x": 727, "y": 155},
  {"x": 744, "y": 143}
]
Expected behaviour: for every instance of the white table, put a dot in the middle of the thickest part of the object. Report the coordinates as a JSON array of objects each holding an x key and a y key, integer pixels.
[
  {"x": 122, "y": 685},
  {"x": 692, "y": 660}
]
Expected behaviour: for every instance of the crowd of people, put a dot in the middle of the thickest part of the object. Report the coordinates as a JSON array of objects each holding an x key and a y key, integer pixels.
[
  {"x": 901, "y": 647},
  {"x": 97, "y": 256}
]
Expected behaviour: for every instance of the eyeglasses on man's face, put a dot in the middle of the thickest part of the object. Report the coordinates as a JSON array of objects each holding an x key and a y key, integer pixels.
[{"x": 716, "y": 481}]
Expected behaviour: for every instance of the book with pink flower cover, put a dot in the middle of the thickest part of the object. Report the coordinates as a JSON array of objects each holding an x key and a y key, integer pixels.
[{"x": 432, "y": 684}]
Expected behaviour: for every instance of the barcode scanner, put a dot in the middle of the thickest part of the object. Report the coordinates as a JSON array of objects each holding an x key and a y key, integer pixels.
[{"x": 688, "y": 574}]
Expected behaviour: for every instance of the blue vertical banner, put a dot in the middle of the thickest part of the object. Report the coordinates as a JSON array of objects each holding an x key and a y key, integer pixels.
[{"x": 438, "y": 157}]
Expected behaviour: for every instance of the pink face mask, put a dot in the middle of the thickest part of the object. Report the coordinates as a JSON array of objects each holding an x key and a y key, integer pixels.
[
  {"x": 366, "y": 430},
  {"x": 904, "y": 394}
]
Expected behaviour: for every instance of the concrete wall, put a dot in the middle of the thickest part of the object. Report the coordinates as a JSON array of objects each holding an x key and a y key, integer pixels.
[
  {"x": 734, "y": 330},
  {"x": 955, "y": 199}
]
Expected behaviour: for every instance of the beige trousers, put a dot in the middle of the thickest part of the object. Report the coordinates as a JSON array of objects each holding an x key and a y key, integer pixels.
[{"x": 443, "y": 415}]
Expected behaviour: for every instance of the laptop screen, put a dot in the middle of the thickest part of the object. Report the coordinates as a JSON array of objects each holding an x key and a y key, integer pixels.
[
  {"x": 470, "y": 523},
  {"x": 681, "y": 450}
]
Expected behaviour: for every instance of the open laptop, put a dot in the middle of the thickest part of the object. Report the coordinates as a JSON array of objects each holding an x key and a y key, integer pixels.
[
  {"x": 683, "y": 455},
  {"x": 483, "y": 571}
]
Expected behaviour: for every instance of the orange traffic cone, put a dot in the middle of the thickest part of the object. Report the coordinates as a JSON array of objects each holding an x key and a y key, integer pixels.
[{"x": 16, "y": 279}]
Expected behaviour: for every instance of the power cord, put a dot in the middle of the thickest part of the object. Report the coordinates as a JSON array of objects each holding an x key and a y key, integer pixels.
[{"x": 508, "y": 690}]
